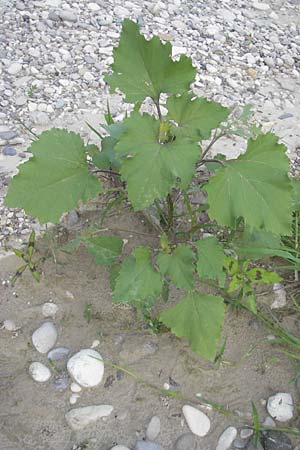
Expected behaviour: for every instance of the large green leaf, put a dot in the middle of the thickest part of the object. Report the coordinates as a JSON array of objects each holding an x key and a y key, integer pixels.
[
  {"x": 199, "y": 318},
  {"x": 143, "y": 68},
  {"x": 55, "y": 179},
  {"x": 210, "y": 259},
  {"x": 256, "y": 244},
  {"x": 255, "y": 186},
  {"x": 195, "y": 117},
  {"x": 179, "y": 265},
  {"x": 152, "y": 168},
  {"x": 138, "y": 283},
  {"x": 105, "y": 249},
  {"x": 296, "y": 193}
]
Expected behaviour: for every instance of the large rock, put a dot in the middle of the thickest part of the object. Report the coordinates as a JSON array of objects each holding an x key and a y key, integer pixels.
[
  {"x": 80, "y": 418},
  {"x": 280, "y": 406},
  {"x": 44, "y": 337},
  {"x": 86, "y": 368},
  {"x": 197, "y": 421}
]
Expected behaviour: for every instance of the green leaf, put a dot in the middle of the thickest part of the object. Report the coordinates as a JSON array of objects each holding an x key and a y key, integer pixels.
[
  {"x": 105, "y": 249},
  {"x": 255, "y": 186},
  {"x": 236, "y": 283},
  {"x": 210, "y": 259},
  {"x": 199, "y": 318},
  {"x": 258, "y": 275},
  {"x": 255, "y": 244},
  {"x": 195, "y": 117},
  {"x": 55, "y": 179},
  {"x": 107, "y": 158},
  {"x": 143, "y": 68},
  {"x": 113, "y": 275},
  {"x": 179, "y": 265},
  {"x": 138, "y": 283},
  {"x": 249, "y": 295},
  {"x": 151, "y": 169}
]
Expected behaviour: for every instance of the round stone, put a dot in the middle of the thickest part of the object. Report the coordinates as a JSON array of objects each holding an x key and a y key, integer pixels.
[
  {"x": 80, "y": 418},
  {"x": 153, "y": 428},
  {"x": 227, "y": 438},
  {"x": 44, "y": 337},
  {"x": 9, "y": 325},
  {"x": 9, "y": 151},
  {"x": 75, "y": 388},
  {"x": 49, "y": 309},
  {"x": 86, "y": 368},
  {"x": 280, "y": 406},
  {"x": 197, "y": 421},
  {"x": 14, "y": 68},
  {"x": 39, "y": 372},
  {"x": 185, "y": 441}
]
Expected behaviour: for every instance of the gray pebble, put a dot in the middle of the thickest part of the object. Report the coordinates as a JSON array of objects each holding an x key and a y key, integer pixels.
[
  {"x": 285, "y": 116},
  {"x": 239, "y": 443},
  {"x": 185, "y": 441},
  {"x": 276, "y": 440},
  {"x": 62, "y": 382},
  {"x": 8, "y": 135},
  {"x": 9, "y": 151},
  {"x": 251, "y": 446},
  {"x": 60, "y": 104}
]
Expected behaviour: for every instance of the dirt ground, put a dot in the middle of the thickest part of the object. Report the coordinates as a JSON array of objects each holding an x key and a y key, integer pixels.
[{"x": 32, "y": 414}]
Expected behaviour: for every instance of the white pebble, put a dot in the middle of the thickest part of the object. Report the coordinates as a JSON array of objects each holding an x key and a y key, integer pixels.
[
  {"x": 280, "y": 406},
  {"x": 197, "y": 421},
  {"x": 9, "y": 325},
  {"x": 49, "y": 309},
  {"x": 95, "y": 343},
  {"x": 86, "y": 368},
  {"x": 44, "y": 337},
  {"x": 75, "y": 387},
  {"x": 74, "y": 398},
  {"x": 153, "y": 429},
  {"x": 280, "y": 296},
  {"x": 261, "y": 6},
  {"x": 93, "y": 7},
  {"x": 82, "y": 417},
  {"x": 39, "y": 372},
  {"x": 227, "y": 438},
  {"x": 120, "y": 447},
  {"x": 246, "y": 433}
]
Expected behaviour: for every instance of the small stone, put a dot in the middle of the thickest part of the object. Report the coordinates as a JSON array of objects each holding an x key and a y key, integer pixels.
[
  {"x": 246, "y": 433},
  {"x": 8, "y": 135},
  {"x": 261, "y": 6},
  {"x": 86, "y": 368},
  {"x": 251, "y": 446},
  {"x": 67, "y": 15},
  {"x": 88, "y": 76},
  {"x": 239, "y": 443},
  {"x": 80, "y": 418},
  {"x": 280, "y": 296},
  {"x": 72, "y": 218},
  {"x": 120, "y": 447},
  {"x": 9, "y": 151},
  {"x": 197, "y": 421},
  {"x": 153, "y": 428},
  {"x": 39, "y": 372},
  {"x": 285, "y": 116},
  {"x": 49, "y": 309},
  {"x": 252, "y": 73},
  {"x": 14, "y": 68},
  {"x": 60, "y": 104},
  {"x": 75, "y": 388},
  {"x": 40, "y": 118},
  {"x": 73, "y": 399},
  {"x": 227, "y": 438},
  {"x": 93, "y": 7},
  {"x": 280, "y": 406},
  {"x": 185, "y": 441},
  {"x": 32, "y": 107},
  {"x": 147, "y": 445},
  {"x": 276, "y": 440},
  {"x": 232, "y": 83},
  {"x": 121, "y": 12},
  {"x": 178, "y": 51},
  {"x": 20, "y": 101},
  {"x": 9, "y": 325},
  {"x": 44, "y": 337},
  {"x": 269, "y": 422}
]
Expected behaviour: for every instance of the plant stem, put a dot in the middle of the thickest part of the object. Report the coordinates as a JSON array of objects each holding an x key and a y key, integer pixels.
[
  {"x": 170, "y": 211},
  {"x": 296, "y": 240},
  {"x": 189, "y": 209},
  {"x": 218, "y": 161},
  {"x": 215, "y": 138}
]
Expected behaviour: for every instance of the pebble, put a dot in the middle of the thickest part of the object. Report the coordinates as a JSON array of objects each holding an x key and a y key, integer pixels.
[
  {"x": 73, "y": 399},
  {"x": 226, "y": 438},
  {"x": 9, "y": 325},
  {"x": 120, "y": 447},
  {"x": 67, "y": 15},
  {"x": 40, "y": 118},
  {"x": 49, "y": 309},
  {"x": 276, "y": 440},
  {"x": 75, "y": 388},
  {"x": 9, "y": 151},
  {"x": 44, "y": 337},
  {"x": 280, "y": 296},
  {"x": 147, "y": 445},
  {"x": 197, "y": 421},
  {"x": 14, "y": 68},
  {"x": 61, "y": 383},
  {"x": 8, "y": 135},
  {"x": 251, "y": 446},
  {"x": 86, "y": 368},
  {"x": 80, "y": 418},
  {"x": 185, "y": 441},
  {"x": 20, "y": 101},
  {"x": 239, "y": 443},
  {"x": 93, "y": 7},
  {"x": 261, "y": 6},
  {"x": 153, "y": 428},
  {"x": 269, "y": 422},
  {"x": 59, "y": 104},
  {"x": 280, "y": 406},
  {"x": 283, "y": 117},
  {"x": 39, "y": 372},
  {"x": 246, "y": 433}
]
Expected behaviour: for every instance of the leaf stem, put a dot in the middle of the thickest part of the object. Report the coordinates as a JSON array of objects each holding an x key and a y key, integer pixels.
[
  {"x": 215, "y": 138},
  {"x": 189, "y": 209},
  {"x": 156, "y": 102},
  {"x": 170, "y": 211}
]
